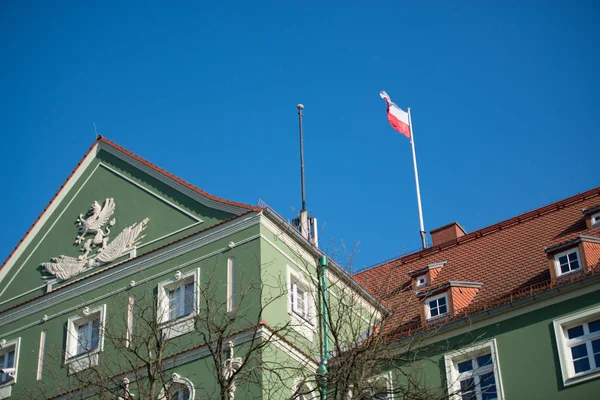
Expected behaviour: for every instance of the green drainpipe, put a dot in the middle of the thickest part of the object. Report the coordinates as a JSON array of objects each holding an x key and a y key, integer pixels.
[{"x": 323, "y": 262}]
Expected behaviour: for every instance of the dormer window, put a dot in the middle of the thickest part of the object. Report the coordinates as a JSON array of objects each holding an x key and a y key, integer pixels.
[
  {"x": 436, "y": 306},
  {"x": 595, "y": 219},
  {"x": 421, "y": 281},
  {"x": 567, "y": 262}
]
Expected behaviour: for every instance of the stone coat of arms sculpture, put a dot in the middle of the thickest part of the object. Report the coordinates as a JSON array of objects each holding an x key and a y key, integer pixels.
[{"x": 94, "y": 222}]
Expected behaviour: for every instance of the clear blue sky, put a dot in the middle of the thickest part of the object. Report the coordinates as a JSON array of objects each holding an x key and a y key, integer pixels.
[{"x": 505, "y": 100}]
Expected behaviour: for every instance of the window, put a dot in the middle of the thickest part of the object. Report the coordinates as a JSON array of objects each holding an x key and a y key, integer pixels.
[
  {"x": 301, "y": 304},
  {"x": 178, "y": 302},
  {"x": 421, "y": 281},
  {"x": 299, "y": 299},
  {"x": 595, "y": 218},
  {"x": 179, "y": 392},
  {"x": 567, "y": 261},
  {"x": 437, "y": 306},
  {"x": 178, "y": 388},
  {"x": 578, "y": 343},
  {"x": 9, "y": 359},
  {"x": 474, "y": 373},
  {"x": 231, "y": 283},
  {"x": 85, "y": 337}
]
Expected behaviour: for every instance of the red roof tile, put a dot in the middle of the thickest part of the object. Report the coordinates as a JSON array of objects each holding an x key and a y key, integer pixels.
[{"x": 507, "y": 257}]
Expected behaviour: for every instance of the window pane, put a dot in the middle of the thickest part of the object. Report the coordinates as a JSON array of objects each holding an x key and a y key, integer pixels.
[
  {"x": 596, "y": 346},
  {"x": 575, "y": 331},
  {"x": 467, "y": 389},
  {"x": 174, "y": 303},
  {"x": 442, "y": 301},
  {"x": 572, "y": 257},
  {"x": 82, "y": 338},
  {"x": 582, "y": 365},
  {"x": 579, "y": 351},
  {"x": 10, "y": 360},
  {"x": 562, "y": 260},
  {"x": 95, "y": 335},
  {"x": 489, "y": 393},
  {"x": 564, "y": 268},
  {"x": 487, "y": 379},
  {"x": 443, "y": 309},
  {"x": 594, "y": 326},
  {"x": 597, "y": 358},
  {"x": 465, "y": 366},
  {"x": 484, "y": 360},
  {"x": 574, "y": 265},
  {"x": 189, "y": 299},
  {"x": 434, "y": 312}
]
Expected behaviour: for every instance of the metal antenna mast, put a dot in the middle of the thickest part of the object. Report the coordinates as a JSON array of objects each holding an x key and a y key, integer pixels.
[{"x": 300, "y": 108}]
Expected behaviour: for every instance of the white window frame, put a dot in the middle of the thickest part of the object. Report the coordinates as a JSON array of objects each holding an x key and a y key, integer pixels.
[
  {"x": 452, "y": 359},
  {"x": 7, "y": 346},
  {"x": 596, "y": 217},
  {"x": 566, "y": 253},
  {"x": 564, "y": 344},
  {"x": 306, "y": 325},
  {"x": 178, "y": 380},
  {"x": 231, "y": 283},
  {"x": 80, "y": 361},
  {"x": 428, "y": 300},
  {"x": 418, "y": 278},
  {"x": 178, "y": 326}
]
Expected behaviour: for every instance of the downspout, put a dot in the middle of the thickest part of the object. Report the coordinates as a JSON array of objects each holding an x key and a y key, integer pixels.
[{"x": 323, "y": 262}]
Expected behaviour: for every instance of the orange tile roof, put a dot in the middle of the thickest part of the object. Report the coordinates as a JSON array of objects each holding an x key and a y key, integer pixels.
[
  {"x": 509, "y": 258},
  {"x": 101, "y": 139}
]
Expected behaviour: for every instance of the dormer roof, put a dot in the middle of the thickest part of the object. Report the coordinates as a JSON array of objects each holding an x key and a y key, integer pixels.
[{"x": 508, "y": 257}]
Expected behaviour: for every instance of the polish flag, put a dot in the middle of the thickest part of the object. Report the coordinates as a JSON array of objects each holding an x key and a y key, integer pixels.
[{"x": 398, "y": 118}]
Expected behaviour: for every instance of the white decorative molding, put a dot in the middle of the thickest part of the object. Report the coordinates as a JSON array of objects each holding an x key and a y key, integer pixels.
[
  {"x": 45, "y": 318},
  {"x": 177, "y": 275},
  {"x": 2, "y": 343},
  {"x": 231, "y": 245},
  {"x": 94, "y": 222},
  {"x": 76, "y": 289},
  {"x": 86, "y": 311},
  {"x": 231, "y": 365},
  {"x": 132, "y": 283}
]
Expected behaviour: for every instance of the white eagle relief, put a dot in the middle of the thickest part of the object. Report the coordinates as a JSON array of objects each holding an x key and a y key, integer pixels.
[{"x": 65, "y": 267}]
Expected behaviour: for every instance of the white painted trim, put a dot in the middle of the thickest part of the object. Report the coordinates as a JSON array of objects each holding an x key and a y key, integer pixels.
[
  {"x": 122, "y": 289},
  {"x": 44, "y": 218},
  {"x": 108, "y": 276},
  {"x": 24, "y": 293},
  {"x": 434, "y": 298},
  {"x": 183, "y": 211},
  {"x": 172, "y": 183},
  {"x": 305, "y": 326},
  {"x": 566, "y": 363},
  {"x": 184, "y": 324},
  {"x": 575, "y": 250},
  {"x": 595, "y": 217},
  {"x": 10, "y": 345},
  {"x": 41, "y": 356},
  {"x": 178, "y": 379},
  {"x": 231, "y": 283},
  {"x": 78, "y": 362},
  {"x": 452, "y": 375}
]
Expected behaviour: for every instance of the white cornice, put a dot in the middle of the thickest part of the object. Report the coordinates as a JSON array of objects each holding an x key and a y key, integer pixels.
[
  {"x": 208, "y": 202},
  {"x": 111, "y": 275}
]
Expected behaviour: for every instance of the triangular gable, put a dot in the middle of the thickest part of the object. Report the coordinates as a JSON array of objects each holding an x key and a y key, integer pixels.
[{"x": 114, "y": 205}]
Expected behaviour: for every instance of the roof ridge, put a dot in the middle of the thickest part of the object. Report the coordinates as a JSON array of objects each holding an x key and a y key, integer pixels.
[
  {"x": 102, "y": 139},
  {"x": 177, "y": 179},
  {"x": 498, "y": 226}
]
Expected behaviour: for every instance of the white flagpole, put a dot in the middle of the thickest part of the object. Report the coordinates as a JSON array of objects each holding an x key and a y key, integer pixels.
[{"x": 412, "y": 142}]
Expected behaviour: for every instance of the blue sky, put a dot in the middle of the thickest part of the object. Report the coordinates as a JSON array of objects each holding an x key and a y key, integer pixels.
[{"x": 504, "y": 99}]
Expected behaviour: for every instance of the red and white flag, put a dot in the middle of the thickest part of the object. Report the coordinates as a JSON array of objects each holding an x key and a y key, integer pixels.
[{"x": 398, "y": 118}]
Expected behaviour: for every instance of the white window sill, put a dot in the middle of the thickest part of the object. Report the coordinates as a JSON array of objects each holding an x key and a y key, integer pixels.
[
  {"x": 302, "y": 326},
  {"x": 438, "y": 318},
  {"x": 582, "y": 377},
  {"x": 178, "y": 327},
  {"x": 5, "y": 389},
  {"x": 82, "y": 361}
]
